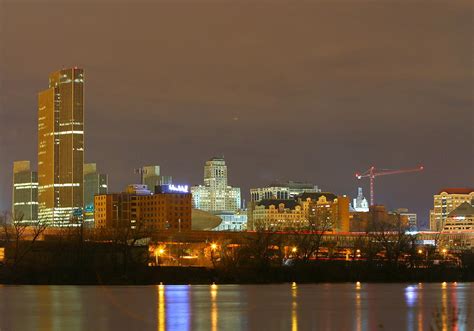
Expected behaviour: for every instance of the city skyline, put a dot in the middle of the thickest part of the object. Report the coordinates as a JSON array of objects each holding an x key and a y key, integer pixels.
[{"x": 394, "y": 116}]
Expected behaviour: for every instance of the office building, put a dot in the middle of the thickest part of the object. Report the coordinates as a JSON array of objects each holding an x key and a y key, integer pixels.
[
  {"x": 445, "y": 202},
  {"x": 412, "y": 218},
  {"x": 276, "y": 215},
  {"x": 151, "y": 177},
  {"x": 321, "y": 211},
  {"x": 216, "y": 195},
  {"x": 284, "y": 191},
  {"x": 94, "y": 183},
  {"x": 168, "y": 208},
  {"x": 325, "y": 204},
  {"x": 460, "y": 220},
  {"x": 377, "y": 219},
  {"x": 25, "y": 193},
  {"x": 61, "y": 147}
]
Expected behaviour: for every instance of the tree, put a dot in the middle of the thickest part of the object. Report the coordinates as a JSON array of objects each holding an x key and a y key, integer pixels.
[
  {"x": 20, "y": 236},
  {"x": 392, "y": 237},
  {"x": 308, "y": 240}
]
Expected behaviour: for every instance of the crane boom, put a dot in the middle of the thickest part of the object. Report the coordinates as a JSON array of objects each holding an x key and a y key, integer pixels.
[{"x": 372, "y": 172}]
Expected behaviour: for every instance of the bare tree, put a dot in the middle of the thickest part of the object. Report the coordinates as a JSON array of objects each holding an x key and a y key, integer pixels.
[
  {"x": 309, "y": 241},
  {"x": 393, "y": 239},
  {"x": 20, "y": 236}
]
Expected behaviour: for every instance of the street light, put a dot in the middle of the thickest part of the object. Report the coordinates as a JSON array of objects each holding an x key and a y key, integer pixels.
[
  {"x": 213, "y": 249},
  {"x": 420, "y": 251},
  {"x": 444, "y": 250},
  {"x": 158, "y": 252},
  {"x": 294, "y": 249}
]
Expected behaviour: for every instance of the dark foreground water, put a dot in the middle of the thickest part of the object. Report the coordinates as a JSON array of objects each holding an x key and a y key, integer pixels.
[{"x": 446, "y": 306}]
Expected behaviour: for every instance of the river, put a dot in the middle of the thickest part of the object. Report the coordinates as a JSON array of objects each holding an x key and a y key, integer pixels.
[{"x": 349, "y": 306}]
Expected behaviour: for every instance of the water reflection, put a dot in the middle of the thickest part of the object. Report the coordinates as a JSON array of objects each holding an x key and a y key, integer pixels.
[
  {"x": 444, "y": 306},
  {"x": 358, "y": 308},
  {"x": 294, "y": 307},
  {"x": 214, "y": 307},
  {"x": 239, "y": 307},
  {"x": 161, "y": 308},
  {"x": 177, "y": 307},
  {"x": 411, "y": 296},
  {"x": 420, "y": 304}
]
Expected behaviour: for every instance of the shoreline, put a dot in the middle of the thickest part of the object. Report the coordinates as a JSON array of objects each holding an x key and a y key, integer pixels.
[{"x": 307, "y": 274}]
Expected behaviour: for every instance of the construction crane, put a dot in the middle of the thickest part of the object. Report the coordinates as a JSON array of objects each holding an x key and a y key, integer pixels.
[{"x": 372, "y": 172}]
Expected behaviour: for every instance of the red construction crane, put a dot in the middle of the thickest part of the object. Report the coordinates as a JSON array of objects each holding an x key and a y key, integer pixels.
[{"x": 372, "y": 173}]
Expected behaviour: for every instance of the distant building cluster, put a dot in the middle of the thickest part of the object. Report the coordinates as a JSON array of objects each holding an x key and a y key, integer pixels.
[{"x": 66, "y": 191}]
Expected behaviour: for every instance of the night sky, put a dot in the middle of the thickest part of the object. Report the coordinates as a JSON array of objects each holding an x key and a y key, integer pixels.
[{"x": 300, "y": 90}]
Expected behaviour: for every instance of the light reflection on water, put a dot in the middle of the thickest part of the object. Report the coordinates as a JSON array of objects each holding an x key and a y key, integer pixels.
[{"x": 356, "y": 306}]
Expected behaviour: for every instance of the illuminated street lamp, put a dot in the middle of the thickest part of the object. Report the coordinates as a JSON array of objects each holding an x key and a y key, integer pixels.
[
  {"x": 213, "y": 249},
  {"x": 420, "y": 251},
  {"x": 294, "y": 249},
  {"x": 158, "y": 252},
  {"x": 444, "y": 251}
]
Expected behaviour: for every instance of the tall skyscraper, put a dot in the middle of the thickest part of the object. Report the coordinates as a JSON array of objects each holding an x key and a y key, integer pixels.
[
  {"x": 25, "y": 193},
  {"x": 94, "y": 184},
  {"x": 61, "y": 147},
  {"x": 216, "y": 195}
]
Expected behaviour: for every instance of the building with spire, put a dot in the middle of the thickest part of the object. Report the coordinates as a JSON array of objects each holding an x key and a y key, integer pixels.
[{"x": 360, "y": 204}]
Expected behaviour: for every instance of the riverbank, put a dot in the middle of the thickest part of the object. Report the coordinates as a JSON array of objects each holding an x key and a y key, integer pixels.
[{"x": 320, "y": 272}]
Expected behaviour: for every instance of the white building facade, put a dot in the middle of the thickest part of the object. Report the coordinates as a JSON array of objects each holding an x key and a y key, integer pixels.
[{"x": 216, "y": 195}]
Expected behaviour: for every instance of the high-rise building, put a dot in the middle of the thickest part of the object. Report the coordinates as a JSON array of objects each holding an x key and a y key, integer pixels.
[
  {"x": 288, "y": 190},
  {"x": 151, "y": 177},
  {"x": 216, "y": 195},
  {"x": 61, "y": 147},
  {"x": 94, "y": 183},
  {"x": 445, "y": 202},
  {"x": 25, "y": 193}
]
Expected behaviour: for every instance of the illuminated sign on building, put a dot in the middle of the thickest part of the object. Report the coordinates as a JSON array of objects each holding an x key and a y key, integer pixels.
[
  {"x": 172, "y": 188},
  {"x": 178, "y": 188}
]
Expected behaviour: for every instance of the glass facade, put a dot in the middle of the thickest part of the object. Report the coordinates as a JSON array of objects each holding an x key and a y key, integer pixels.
[
  {"x": 61, "y": 146},
  {"x": 25, "y": 193}
]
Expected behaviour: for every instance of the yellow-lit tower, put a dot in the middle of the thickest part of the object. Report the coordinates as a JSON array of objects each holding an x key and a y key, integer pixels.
[{"x": 61, "y": 147}]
